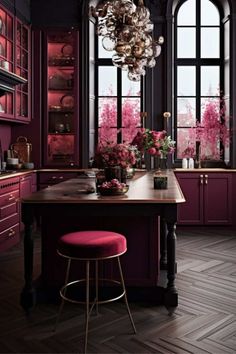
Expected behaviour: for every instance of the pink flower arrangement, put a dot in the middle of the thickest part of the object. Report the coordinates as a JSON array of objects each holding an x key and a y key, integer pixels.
[
  {"x": 114, "y": 183},
  {"x": 109, "y": 154},
  {"x": 155, "y": 143}
]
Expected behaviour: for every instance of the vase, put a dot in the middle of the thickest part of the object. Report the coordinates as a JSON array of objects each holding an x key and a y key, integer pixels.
[
  {"x": 162, "y": 163},
  {"x": 115, "y": 172},
  {"x": 159, "y": 163}
]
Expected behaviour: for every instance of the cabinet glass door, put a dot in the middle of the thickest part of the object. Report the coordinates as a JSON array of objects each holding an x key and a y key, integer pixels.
[
  {"x": 23, "y": 69},
  {"x": 61, "y": 98},
  {"x": 6, "y": 60}
]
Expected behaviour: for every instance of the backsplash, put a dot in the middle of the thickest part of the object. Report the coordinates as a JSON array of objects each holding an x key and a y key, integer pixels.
[{"x": 5, "y": 136}]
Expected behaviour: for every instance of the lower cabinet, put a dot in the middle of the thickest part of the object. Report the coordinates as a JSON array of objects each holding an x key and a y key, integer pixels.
[
  {"x": 208, "y": 198},
  {"x": 9, "y": 213},
  {"x": 11, "y": 191},
  {"x": 28, "y": 185}
]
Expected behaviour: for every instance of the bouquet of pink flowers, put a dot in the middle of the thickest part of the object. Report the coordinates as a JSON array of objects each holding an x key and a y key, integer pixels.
[
  {"x": 110, "y": 154},
  {"x": 155, "y": 143}
]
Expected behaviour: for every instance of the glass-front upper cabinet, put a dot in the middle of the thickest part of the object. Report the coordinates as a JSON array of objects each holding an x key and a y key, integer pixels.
[
  {"x": 6, "y": 60},
  {"x": 15, "y": 68},
  {"x": 23, "y": 69},
  {"x": 61, "y": 97}
]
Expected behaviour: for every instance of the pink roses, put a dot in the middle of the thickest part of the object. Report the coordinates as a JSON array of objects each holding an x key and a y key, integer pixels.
[
  {"x": 156, "y": 143},
  {"x": 109, "y": 154}
]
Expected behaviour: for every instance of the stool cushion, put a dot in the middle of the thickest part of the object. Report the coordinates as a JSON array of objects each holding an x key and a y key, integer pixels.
[{"x": 92, "y": 244}]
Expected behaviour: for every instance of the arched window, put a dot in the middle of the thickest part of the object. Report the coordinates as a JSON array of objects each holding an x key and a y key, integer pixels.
[{"x": 198, "y": 74}]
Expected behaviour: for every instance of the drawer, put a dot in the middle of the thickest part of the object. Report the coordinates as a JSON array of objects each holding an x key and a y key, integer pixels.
[
  {"x": 9, "y": 198},
  {"x": 53, "y": 178},
  {"x": 9, "y": 221},
  {"x": 34, "y": 178},
  {"x": 7, "y": 210},
  {"x": 9, "y": 237},
  {"x": 9, "y": 185}
]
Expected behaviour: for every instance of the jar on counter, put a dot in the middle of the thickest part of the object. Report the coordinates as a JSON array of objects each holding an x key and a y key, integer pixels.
[
  {"x": 191, "y": 163},
  {"x": 184, "y": 162}
]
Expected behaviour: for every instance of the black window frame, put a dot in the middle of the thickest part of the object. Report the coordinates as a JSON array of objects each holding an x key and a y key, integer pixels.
[
  {"x": 197, "y": 62},
  {"x": 108, "y": 62}
]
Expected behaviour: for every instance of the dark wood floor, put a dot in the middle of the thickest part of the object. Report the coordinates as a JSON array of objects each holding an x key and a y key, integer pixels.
[{"x": 204, "y": 322}]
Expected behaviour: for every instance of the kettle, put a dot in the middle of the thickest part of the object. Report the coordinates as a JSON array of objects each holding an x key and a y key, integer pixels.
[{"x": 22, "y": 149}]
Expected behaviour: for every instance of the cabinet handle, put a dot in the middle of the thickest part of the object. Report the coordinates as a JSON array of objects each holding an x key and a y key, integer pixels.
[
  {"x": 201, "y": 179},
  {"x": 11, "y": 233},
  {"x": 61, "y": 177},
  {"x": 11, "y": 197},
  {"x": 54, "y": 177},
  {"x": 206, "y": 179}
]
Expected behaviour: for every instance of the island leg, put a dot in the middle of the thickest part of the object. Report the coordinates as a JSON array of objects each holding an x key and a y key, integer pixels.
[
  {"x": 163, "y": 251},
  {"x": 28, "y": 296},
  {"x": 171, "y": 294}
]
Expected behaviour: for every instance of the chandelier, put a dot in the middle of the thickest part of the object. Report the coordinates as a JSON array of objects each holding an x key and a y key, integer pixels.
[{"x": 127, "y": 30}]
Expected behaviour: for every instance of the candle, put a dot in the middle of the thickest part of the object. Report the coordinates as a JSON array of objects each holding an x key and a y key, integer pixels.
[
  {"x": 143, "y": 115},
  {"x": 166, "y": 115}
]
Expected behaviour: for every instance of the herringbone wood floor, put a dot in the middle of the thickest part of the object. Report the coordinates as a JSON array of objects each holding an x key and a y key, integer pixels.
[{"x": 204, "y": 322}]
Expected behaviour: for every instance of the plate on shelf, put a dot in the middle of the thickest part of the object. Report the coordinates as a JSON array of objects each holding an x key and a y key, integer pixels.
[
  {"x": 2, "y": 26},
  {"x": 67, "y": 101},
  {"x": 67, "y": 50}
]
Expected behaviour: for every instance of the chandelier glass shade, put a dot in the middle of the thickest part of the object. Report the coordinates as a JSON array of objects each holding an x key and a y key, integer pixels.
[{"x": 127, "y": 29}]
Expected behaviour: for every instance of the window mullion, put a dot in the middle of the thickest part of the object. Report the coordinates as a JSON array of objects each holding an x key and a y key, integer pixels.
[
  {"x": 198, "y": 61},
  {"x": 119, "y": 105}
]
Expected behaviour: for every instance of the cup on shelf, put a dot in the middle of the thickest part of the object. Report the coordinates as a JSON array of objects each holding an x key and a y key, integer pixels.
[{"x": 5, "y": 64}]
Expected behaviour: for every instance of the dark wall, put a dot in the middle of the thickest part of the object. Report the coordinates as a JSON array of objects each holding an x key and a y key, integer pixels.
[
  {"x": 21, "y": 8},
  {"x": 56, "y": 13}
]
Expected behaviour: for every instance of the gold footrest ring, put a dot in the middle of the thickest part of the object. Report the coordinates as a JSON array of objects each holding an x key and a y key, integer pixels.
[{"x": 66, "y": 286}]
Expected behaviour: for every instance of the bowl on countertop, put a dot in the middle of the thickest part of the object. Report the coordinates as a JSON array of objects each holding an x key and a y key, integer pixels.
[{"x": 28, "y": 165}]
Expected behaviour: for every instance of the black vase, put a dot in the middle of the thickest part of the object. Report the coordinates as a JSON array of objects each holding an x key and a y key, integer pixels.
[
  {"x": 115, "y": 172},
  {"x": 162, "y": 163}
]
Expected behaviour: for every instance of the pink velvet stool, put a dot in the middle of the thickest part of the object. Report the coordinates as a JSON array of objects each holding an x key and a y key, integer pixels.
[{"x": 92, "y": 246}]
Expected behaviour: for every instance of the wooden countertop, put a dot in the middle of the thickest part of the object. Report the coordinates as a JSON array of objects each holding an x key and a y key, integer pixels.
[
  {"x": 199, "y": 170},
  {"x": 140, "y": 191},
  {"x": 15, "y": 174}
]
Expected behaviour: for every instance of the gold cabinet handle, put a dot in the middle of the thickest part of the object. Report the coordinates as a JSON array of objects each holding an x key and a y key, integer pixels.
[
  {"x": 11, "y": 233},
  {"x": 11, "y": 197},
  {"x": 201, "y": 179},
  {"x": 206, "y": 179}
]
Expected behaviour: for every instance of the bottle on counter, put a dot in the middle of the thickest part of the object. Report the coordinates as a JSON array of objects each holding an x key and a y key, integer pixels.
[
  {"x": 184, "y": 162},
  {"x": 191, "y": 163}
]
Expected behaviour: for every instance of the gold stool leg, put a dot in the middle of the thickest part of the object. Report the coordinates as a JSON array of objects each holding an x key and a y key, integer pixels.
[
  {"x": 125, "y": 296},
  {"x": 96, "y": 285},
  {"x": 87, "y": 307},
  {"x": 63, "y": 301}
]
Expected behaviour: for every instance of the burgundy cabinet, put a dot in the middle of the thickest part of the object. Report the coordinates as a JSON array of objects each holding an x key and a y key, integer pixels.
[
  {"x": 6, "y": 62},
  {"x": 9, "y": 213},
  {"x": 15, "y": 69},
  {"x": 208, "y": 198},
  {"x": 61, "y": 113},
  {"x": 23, "y": 69}
]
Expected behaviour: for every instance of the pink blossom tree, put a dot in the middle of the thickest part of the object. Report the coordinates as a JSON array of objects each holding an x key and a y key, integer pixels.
[
  {"x": 211, "y": 132},
  {"x": 108, "y": 120}
]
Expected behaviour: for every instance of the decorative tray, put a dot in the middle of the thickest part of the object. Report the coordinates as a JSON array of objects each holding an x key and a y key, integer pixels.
[{"x": 113, "y": 191}]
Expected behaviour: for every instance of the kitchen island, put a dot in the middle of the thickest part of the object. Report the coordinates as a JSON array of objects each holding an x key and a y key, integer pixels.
[{"x": 66, "y": 207}]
